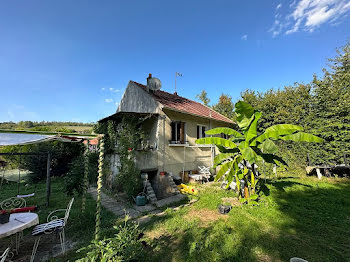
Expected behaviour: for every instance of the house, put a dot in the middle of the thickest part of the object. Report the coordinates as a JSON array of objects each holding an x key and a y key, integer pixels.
[
  {"x": 173, "y": 125},
  {"x": 93, "y": 144}
]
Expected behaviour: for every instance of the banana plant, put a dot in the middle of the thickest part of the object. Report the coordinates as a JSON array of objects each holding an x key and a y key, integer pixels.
[{"x": 242, "y": 150}]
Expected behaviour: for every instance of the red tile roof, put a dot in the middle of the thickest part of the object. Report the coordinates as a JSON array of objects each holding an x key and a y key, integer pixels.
[
  {"x": 182, "y": 104},
  {"x": 92, "y": 141}
]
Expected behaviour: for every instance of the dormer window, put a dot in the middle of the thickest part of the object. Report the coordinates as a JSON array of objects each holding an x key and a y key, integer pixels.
[{"x": 201, "y": 131}]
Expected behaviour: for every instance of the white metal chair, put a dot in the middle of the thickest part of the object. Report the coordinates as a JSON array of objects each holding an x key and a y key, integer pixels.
[
  {"x": 25, "y": 196},
  {"x": 205, "y": 172},
  {"x": 13, "y": 202},
  {"x": 54, "y": 224},
  {"x": 4, "y": 255}
]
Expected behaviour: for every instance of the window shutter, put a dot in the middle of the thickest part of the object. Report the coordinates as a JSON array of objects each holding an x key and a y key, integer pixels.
[
  {"x": 173, "y": 131},
  {"x": 198, "y": 133},
  {"x": 182, "y": 132},
  {"x": 203, "y": 131}
]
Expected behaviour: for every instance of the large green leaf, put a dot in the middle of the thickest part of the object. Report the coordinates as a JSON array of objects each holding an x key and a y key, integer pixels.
[
  {"x": 244, "y": 114},
  {"x": 225, "y": 130},
  {"x": 278, "y": 130},
  {"x": 268, "y": 146},
  {"x": 273, "y": 159},
  {"x": 249, "y": 154},
  {"x": 216, "y": 141},
  {"x": 221, "y": 157},
  {"x": 302, "y": 137},
  {"x": 223, "y": 149},
  {"x": 253, "y": 128},
  {"x": 223, "y": 169}
]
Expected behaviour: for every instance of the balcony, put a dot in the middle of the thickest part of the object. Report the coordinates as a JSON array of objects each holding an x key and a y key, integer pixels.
[{"x": 178, "y": 143}]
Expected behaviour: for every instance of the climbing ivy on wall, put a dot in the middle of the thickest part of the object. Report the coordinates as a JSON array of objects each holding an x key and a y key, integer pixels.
[{"x": 124, "y": 138}]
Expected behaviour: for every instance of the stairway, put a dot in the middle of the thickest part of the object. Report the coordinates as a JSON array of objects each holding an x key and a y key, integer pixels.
[
  {"x": 150, "y": 192},
  {"x": 173, "y": 185}
]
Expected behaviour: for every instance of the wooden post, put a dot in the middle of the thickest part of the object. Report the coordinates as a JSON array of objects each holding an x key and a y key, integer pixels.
[
  {"x": 19, "y": 175},
  {"x": 48, "y": 179},
  {"x": 99, "y": 186}
]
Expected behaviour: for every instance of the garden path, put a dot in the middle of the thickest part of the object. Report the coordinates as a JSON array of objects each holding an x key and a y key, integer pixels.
[{"x": 120, "y": 208}]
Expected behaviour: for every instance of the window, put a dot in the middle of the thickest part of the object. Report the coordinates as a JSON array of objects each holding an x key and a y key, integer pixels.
[
  {"x": 201, "y": 131},
  {"x": 178, "y": 133}
]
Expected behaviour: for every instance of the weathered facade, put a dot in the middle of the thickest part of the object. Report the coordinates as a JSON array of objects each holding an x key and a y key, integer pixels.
[{"x": 173, "y": 124}]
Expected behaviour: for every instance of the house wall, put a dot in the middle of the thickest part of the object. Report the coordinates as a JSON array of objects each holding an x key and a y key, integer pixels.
[
  {"x": 148, "y": 160},
  {"x": 165, "y": 157},
  {"x": 137, "y": 100},
  {"x": 176, "y": 158}
]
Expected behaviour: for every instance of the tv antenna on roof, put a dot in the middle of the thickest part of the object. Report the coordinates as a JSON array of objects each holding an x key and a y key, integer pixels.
[{"x": 177, "y": 74}]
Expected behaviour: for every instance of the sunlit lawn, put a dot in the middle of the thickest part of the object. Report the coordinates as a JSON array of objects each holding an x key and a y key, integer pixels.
[
  {"x": 81, "y": 226},
  {"x": 304, "y": 218},
  {"x": 301, "y": 217}
]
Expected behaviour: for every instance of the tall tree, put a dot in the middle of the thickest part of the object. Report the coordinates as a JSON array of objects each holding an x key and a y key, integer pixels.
[
  {"x": 331, "y": 115},
  {"x": 321, "y": 106},
  {"x": 225, "y": 106},
  {"x": 203, "y": 96}
]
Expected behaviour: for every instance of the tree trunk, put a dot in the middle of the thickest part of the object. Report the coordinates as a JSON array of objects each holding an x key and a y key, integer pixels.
[{"x": 246, "y": 191}]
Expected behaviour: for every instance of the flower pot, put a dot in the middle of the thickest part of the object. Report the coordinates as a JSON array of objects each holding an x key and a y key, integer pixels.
[
  {"x": 162, "y": 173},
  {"x": 4, "y": 218}
]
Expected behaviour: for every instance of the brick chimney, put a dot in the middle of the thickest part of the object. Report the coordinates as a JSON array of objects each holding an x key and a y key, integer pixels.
[{"x": 148, "y": 78}]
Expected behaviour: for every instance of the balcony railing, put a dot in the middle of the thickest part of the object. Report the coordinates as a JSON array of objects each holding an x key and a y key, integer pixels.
[{"x": 174, "y": 142}]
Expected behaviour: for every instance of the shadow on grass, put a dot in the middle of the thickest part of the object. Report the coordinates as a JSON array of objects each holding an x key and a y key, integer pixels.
[{"x": 307, "y": 221}]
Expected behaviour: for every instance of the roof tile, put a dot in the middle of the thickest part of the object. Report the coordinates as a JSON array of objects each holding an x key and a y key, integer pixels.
[{"x": 182, "y": 104}]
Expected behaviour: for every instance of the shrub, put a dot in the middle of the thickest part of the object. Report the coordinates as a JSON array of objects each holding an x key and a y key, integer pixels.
[
  {"x": 74, "y": 179},
  {"x": 126, "y": 245},
  {"x": 61, "y": 155}
]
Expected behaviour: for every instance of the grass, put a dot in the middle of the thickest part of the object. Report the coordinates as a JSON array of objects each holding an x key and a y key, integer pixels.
[
  {"x": 304, "y": 218},
  {"x": 80, "y": 227},
  {"x": 299, "y": 217}
]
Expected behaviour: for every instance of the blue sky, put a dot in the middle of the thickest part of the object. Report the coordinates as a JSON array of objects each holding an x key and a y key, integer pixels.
[{"x": 71, "y": 60}]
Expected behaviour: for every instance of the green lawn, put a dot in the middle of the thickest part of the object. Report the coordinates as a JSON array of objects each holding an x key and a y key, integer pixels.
[
  {"x": 305, "y": 218},
  {"x": 80, "y": 227},
  {"x": 301, "y": 217}
]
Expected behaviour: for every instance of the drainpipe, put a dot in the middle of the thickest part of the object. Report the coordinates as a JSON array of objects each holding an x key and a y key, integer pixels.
[
  {"x": 183, "y": 168},
  {"x": 164, "y": 141}
]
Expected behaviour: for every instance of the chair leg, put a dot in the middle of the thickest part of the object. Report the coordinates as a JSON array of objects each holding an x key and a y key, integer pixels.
[
  {"x": 35, "y": 247},
  {"x": 62, "y": 240}
]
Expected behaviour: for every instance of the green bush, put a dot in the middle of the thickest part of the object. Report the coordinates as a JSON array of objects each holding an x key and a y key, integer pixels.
[
  {"x": 124, "y": 246},
  {"x": 61, "y": 155},
  {"x": 74, "y": 179}
]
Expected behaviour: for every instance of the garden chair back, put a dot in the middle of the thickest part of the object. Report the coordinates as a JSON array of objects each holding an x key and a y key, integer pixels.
[
  {"x": 55, "y": 223},
  {"x": 12, "y": 203},
  {"x": 4, "y": 255}
]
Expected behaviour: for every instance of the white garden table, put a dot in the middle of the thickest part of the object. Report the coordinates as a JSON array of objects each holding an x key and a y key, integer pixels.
[{"x": 18, "y": 222}]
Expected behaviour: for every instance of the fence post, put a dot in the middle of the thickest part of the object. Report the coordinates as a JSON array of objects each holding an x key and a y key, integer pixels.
[{"x": 48, "y": 179}]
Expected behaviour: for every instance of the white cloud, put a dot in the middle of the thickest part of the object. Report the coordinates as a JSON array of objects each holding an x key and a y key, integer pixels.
[
  {"x": 108, "y": 100},
  {"x": 308, "y": 15},
  {"x": 114, "y": 90},
  {"x": 278, "y": 6},
  {"x": 244, "y": 37},
  {"x": 117, "y": 103},
  {"x": 103, "y": 89}
]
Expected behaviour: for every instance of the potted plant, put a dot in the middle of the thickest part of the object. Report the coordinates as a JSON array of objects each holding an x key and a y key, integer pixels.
[{"x": 4, "y": 216}]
